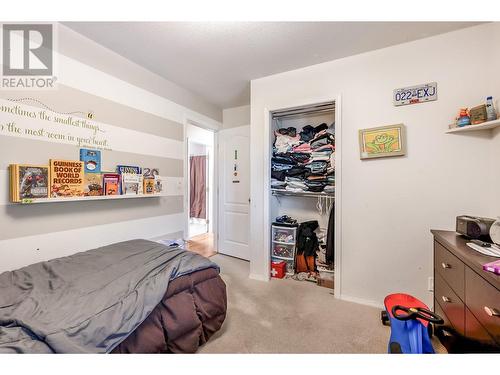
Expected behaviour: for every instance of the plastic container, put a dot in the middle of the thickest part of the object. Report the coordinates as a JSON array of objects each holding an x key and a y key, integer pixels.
[
  {"x": 284, "y": 235},
  {"x": 491, "y": 114},
  {"x": 283, "y": 251}
]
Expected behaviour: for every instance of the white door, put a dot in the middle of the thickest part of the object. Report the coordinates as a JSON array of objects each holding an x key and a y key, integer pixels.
[{"x": 234, "y": 192}]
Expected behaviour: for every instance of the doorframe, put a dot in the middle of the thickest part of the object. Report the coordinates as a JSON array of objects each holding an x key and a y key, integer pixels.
[
  {"x": 215, "y": 198},
  {"x": 338, "y": 184}
]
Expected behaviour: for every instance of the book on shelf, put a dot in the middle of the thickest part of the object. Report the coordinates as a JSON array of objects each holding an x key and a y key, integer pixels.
[
  {"x": 28, "y": 181},
  {"x": 92, "y": 185},
  {"x": 111, "y": 183},
  {"x": 150, "y": 172},
  {"x": 91, "y": 160},
  {"x": 66, "y": 178},
  {"x": 149, "y": 186},
  {"x": 132, "y": 183},
  {"x": 121, "y": 169},
  {"x": 158, "y": 184}
]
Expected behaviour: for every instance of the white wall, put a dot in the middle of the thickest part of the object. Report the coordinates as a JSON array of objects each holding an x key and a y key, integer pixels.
[
  {"x": 390, "y": 205},
  {"x": 90, "y": 80},
  {"x": 236, "y": 116}
]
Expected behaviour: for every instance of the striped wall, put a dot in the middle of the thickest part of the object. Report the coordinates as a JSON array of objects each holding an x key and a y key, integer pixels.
[{"x": 149, "y": 131}]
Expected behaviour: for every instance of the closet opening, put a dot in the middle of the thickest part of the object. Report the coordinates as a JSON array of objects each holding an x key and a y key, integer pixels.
[{"x": 302, "y": 193}]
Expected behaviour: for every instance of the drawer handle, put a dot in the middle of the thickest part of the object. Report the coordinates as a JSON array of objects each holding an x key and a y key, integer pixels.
[
  {"x": 445, "y": 265},
  {"x": 491, "y": 311},
  {"x": 445, "y": 299}
]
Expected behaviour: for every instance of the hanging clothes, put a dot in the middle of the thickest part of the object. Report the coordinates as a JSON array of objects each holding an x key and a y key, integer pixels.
[{"x": 330, "y": 237}]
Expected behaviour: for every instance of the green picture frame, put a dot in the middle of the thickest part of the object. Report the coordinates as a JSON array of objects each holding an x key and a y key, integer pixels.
[{"x": 382, "y": 142}]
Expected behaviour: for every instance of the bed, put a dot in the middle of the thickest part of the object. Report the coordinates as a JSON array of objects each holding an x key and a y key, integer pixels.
[{"x": 136, "y": 296}]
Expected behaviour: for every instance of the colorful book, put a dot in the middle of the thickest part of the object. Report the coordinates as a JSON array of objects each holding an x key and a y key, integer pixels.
[
  {"x": 492, "y": 267},
  {"x": 150, "y": 172},
  {"x": 158, "y": 184},
  {"x": 66, "y": 178},
  {"x": 111, "y": 183},
  {"x": 132, "y": 183},
  {"x": 92, "y": 185},
  {"x": 28, "y": 182},
  {"x": 149, "y": 185},
  {"x": 128, "y": 169},
  {"x": 91, "y": 160}
]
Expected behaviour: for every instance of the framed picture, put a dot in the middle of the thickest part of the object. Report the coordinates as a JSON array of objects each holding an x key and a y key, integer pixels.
[{"x": 382, "y": 141}]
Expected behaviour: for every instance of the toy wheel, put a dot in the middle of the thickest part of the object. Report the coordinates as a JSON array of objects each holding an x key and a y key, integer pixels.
[{"x": 384, "y": 317}]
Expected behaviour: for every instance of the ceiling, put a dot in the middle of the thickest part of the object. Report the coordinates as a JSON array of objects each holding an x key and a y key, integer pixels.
[{"x": 217, "y": 60}]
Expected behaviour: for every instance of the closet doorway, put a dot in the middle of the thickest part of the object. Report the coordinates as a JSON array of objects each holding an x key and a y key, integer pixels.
[
  {"x": 200, "y": 177},
  {"x": 302, "y": 205}
]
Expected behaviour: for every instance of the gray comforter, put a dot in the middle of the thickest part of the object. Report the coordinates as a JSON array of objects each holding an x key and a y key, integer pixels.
[{"x": 88, "y": 302}]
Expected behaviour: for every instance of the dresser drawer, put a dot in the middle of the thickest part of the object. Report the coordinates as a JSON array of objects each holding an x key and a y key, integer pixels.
[
  {"x": 483, "y": 300},
  {"x": 476, "y": 332},
  {"x": 450, "y": 268},
  {"x": 451, "y": 305}
]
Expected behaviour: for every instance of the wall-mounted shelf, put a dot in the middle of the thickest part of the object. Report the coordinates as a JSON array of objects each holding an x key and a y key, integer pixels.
[
  {"x": 281, "y": 192},
  {"x": 483, "y": 126},
  {"x": 87, "y": 199}
]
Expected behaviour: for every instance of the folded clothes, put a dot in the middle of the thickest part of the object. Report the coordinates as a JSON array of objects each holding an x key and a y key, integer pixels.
[
  {"x": 320, "y": 127},
  {"x": 296, "y": 171},
  {"x": 300, "y": 157},
  {"x": 285, "y": 143},
  {"x": 325, "y": 147},
  {"x": 294, "y": 190},
  {"x": 281, "y": 167},
  {"x": 317, "y": 167},
  {"x": 307, "y": 133},
  {"x": 315, "y": 186},
  {"x": 283, "y": 159},
  {"x": 322, "y": 140},
  {"x": 329, "y": 189},
  {"x": 304, "y": 147},
  {"x": 278, "y": 175},
  {"x": 277, "y": 183},
  {"x": 291, "y": 131}
]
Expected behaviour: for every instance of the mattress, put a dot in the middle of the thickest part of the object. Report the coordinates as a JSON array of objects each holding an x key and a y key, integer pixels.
[{"x": 191, "y": 311}]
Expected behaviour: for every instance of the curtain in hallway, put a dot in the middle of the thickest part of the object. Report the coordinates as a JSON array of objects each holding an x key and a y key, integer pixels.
[{"x": 198, "y": 188}]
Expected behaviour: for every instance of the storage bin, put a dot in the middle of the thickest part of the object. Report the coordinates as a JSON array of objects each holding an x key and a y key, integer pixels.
[
  {"x": 284, "y": 235},
  {"x": 283, "y": 251}
]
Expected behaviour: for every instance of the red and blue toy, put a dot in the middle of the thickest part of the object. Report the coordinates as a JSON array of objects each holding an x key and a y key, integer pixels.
[{"x": 411, "y": 324}]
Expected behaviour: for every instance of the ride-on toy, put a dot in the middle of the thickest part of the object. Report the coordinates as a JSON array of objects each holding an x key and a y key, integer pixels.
[{"x": 411, "y": 324}]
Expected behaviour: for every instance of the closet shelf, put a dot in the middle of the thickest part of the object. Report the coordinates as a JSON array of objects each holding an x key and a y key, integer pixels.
[{"x": 280, "y": 192}]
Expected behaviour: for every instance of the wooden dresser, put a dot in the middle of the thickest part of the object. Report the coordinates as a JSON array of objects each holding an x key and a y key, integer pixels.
[{"x": 466, "y": 296}]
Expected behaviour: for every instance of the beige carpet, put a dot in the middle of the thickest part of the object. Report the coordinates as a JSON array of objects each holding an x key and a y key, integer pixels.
[{"x": 288, "y": 316}]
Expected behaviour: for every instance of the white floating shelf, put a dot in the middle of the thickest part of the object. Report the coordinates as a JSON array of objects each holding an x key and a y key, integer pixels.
[
  {"x": 86, "y": 199},
  {"x": 482, "y": 126}
]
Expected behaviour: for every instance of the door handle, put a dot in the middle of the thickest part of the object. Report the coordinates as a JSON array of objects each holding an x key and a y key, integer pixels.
[
  {"x": 491, "y": 311},
  {"x": 445, "y": 299},
  {"x": 445, "y": 265}
]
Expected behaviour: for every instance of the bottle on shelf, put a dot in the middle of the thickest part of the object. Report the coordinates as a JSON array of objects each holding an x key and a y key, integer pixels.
[{"x": 491, "y": 114}]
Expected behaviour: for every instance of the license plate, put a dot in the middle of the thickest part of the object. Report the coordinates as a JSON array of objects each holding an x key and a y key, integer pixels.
[{"x": 415, "y": 94}]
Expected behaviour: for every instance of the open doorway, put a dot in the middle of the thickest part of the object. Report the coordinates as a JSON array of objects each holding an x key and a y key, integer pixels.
[{"x": 200, "y": 188}]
